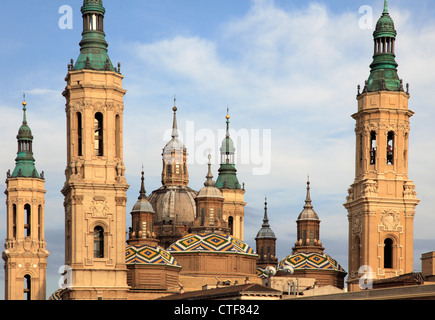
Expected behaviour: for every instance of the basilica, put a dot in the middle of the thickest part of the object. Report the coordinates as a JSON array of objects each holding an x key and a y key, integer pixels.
[{"x": 185, "y": 243}]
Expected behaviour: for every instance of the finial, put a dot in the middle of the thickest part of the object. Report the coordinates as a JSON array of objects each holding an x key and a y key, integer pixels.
[
  {"x": 209, "y": 182},
  {"x": 174, "y": 125},
  {"x": 24, "y": 109},
  {"x": 265, "y": 218},
  {"x": 228, "y": 121},
  {"x": 142, "y": 192},
  {"x": 385, "y": 7},
  {"x": 308, "y": 198}
]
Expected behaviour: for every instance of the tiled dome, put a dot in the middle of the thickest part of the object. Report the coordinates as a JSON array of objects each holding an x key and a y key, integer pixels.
[
  {"x": 310, "y": 261},
  {"x": 149, "y": 255},
  {"x": 211, "y": 242}
]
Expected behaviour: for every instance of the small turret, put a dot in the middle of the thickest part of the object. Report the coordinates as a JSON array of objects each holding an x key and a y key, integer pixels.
[
  {"x": 383, "y": 74},
  {"x": 25, "y": 163},
  {"x": 93, "y": 46}
]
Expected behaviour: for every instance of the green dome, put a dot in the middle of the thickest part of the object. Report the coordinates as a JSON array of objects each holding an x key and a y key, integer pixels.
[
  {"x": 24, "y": 133},
  {"x": 385, "y": 27}
]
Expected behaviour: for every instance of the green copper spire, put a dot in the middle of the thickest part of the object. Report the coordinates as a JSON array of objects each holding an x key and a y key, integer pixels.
[
  {"x": 385, "y": 6},
  {"x": 383, "y": 74},
  {"x": 25, "y": 163},
  {"x": 227, "y": 178},
  {"x": 93, "y": 46}
]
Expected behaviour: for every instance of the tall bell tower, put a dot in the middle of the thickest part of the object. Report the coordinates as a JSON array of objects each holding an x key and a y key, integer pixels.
[
  {"x": 382, "y": 200},
  {"x": 25, "y": 253},
  {"x": 95, "y": 187},
  {"x": 227, "y": 182}
]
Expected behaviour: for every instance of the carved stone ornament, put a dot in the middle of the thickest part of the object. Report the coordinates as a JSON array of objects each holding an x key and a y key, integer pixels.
[
  {"x": 356, "y": 224},
  {"x": 99, "y": 208},
  {"x": 350, "y": 197},
  {"x": 370, "y": 188},
  {"x": 390, "y": 220},
  {"x": 409, "y": 190}
]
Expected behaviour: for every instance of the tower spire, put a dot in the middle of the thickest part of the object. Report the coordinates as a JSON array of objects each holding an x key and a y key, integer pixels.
[
  {"x": 383, "y": 69},
  {"x": 308, "y": 197},
  {"x": 25, "y": 163},
  {"x": 385, "y": 7},
  {"x": 266, "y": 218},
  {"x": 142, "y": 192},
  {"x": 209, "y": 182},
  {"x": 174, "y": 124},
  {"x": 93, "y": 46},
  {"x": 227, "y": 172}
]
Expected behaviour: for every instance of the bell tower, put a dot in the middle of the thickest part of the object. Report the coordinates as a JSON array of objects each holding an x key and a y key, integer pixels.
[
  {"x": 382, "y": 200},
  {"x": 227, "y": 182},
  {"x": 95, "y": 187},
  {"x": 25, "y": 253}
]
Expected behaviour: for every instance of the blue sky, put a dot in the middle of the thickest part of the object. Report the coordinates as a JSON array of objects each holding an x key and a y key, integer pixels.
[{"x": 288, "y": 68}]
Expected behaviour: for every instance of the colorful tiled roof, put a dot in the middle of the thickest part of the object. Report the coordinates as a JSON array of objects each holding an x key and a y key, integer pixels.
[
  {"x": 261, "y": 273},
  {"x": 310, "y": 261},
  {"x": 212, "y": 242},
  {"x": 148, "y": 254},
  {"x": 56, "y": 295}
]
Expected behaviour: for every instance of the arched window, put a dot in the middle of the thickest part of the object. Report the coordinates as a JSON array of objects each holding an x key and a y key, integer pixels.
[
  {"x": 388, "y": 253},
  {"x": 356, "y": 257},
  {"x": 231, "y": 224},
  {"x": 98, "y": 242},
  {"x": 372, "y": 147},
  {"x": 79, "y": 135},
  {"x": 117, "y": 136},
  {"x": 98, "y": 130},
  {"x": 28, "y": 217},
  {"x": 40, "y": 222},
  {"x": 14, "y": 221},
  {"x": 27, "y": 286},
  {"x": 390, "y": 147}
]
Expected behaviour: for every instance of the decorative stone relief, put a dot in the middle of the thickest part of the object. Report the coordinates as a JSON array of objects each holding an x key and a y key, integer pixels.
[
  {"x": 409, "y": 190},
  {"x": 390, "y": 220},
  {"x": 370, "y": 188},
  {"x": 99, "y": 207},
  {"x": 350, "y": 197},
  {"x": 356, "y": 224}
]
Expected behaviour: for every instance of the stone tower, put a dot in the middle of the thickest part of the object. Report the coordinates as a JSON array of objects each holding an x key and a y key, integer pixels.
[
  {"x": 308, "y": 231},
  {"x": 95, "y": 187},
  {"x": 266, "y": 243},
  {"x": 25, "y": 252},
  {"x": 381, "y": 201},
  {"x": 227, "y": 182}
]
